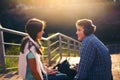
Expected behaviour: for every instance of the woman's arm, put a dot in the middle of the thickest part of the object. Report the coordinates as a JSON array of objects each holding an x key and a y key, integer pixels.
[{"x": 33, "y": 69}]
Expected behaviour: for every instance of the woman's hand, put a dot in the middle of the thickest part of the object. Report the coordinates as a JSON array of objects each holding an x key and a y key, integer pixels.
[{"x": 52, "y": 71}]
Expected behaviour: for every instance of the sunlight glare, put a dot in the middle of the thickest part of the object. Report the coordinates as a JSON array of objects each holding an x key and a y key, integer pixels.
[{"x": 66, "y": 9}]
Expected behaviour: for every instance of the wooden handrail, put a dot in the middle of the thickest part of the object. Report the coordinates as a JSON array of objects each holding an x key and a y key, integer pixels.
[{"x": 59, "y": 42}]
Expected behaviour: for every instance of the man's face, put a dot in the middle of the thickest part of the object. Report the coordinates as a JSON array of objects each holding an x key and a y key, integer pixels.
[{"x": 80, "y": 33}]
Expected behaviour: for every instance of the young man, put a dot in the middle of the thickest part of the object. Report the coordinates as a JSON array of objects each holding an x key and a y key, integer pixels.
[{"x": 95, "y": 61}]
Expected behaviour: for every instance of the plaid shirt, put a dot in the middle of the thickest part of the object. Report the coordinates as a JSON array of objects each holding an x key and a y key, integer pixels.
[{"x": 95, "y": 60}]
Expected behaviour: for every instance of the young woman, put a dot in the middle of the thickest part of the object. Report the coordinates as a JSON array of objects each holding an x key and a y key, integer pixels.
[{"x": 30, "y": 65}]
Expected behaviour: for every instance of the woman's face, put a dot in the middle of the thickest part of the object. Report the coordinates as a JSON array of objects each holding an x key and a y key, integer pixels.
[
  {"x": 39, "y": 35},
  {"x": 80, "y": 33}
]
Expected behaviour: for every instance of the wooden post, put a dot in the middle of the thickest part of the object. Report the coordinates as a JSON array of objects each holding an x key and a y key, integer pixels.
[
  {"x": 49, "y": 54},
  {"x": 68, "y": 42},
  {"x": 74, "y": 49},
  {"x": 60, "y": 46},
  {"x": 2, "y": 52}
]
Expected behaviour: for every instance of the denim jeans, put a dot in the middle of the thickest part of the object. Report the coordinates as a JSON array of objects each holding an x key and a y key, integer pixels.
[{"x": 58, "y": 76}]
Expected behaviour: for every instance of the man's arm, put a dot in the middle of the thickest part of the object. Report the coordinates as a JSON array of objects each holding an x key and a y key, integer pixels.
[{"x": 87, "y": 56}]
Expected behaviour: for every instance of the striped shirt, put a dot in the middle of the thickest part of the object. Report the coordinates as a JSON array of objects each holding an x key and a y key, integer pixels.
[{"x": 95, "y": 61}]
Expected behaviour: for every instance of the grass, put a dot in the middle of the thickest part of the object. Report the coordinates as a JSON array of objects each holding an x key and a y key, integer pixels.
[
  {"x": 11, "y": 62},
  {"x": 14, "y": 51}
]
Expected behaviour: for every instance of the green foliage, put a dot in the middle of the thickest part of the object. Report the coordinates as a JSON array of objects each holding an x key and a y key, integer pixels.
[
  {"x": 11, "y": 62},
  {"x": 50, "y": 34},
  {"x": 0, "y": 67},
  {"x": 13, "y": 50}
]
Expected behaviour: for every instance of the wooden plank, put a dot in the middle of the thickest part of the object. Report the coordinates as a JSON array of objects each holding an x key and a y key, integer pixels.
[{"x": 73, "y": 60}]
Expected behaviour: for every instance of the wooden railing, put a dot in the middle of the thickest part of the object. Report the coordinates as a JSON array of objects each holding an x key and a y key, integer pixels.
[{"x": 57, "y": 45}]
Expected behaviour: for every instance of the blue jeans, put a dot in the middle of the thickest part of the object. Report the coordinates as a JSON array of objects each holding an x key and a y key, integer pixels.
[{"x": 58, "y": 76}]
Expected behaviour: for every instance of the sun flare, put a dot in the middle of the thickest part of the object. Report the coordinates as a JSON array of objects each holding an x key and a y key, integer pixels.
[{"x": 64, "y": 10}]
